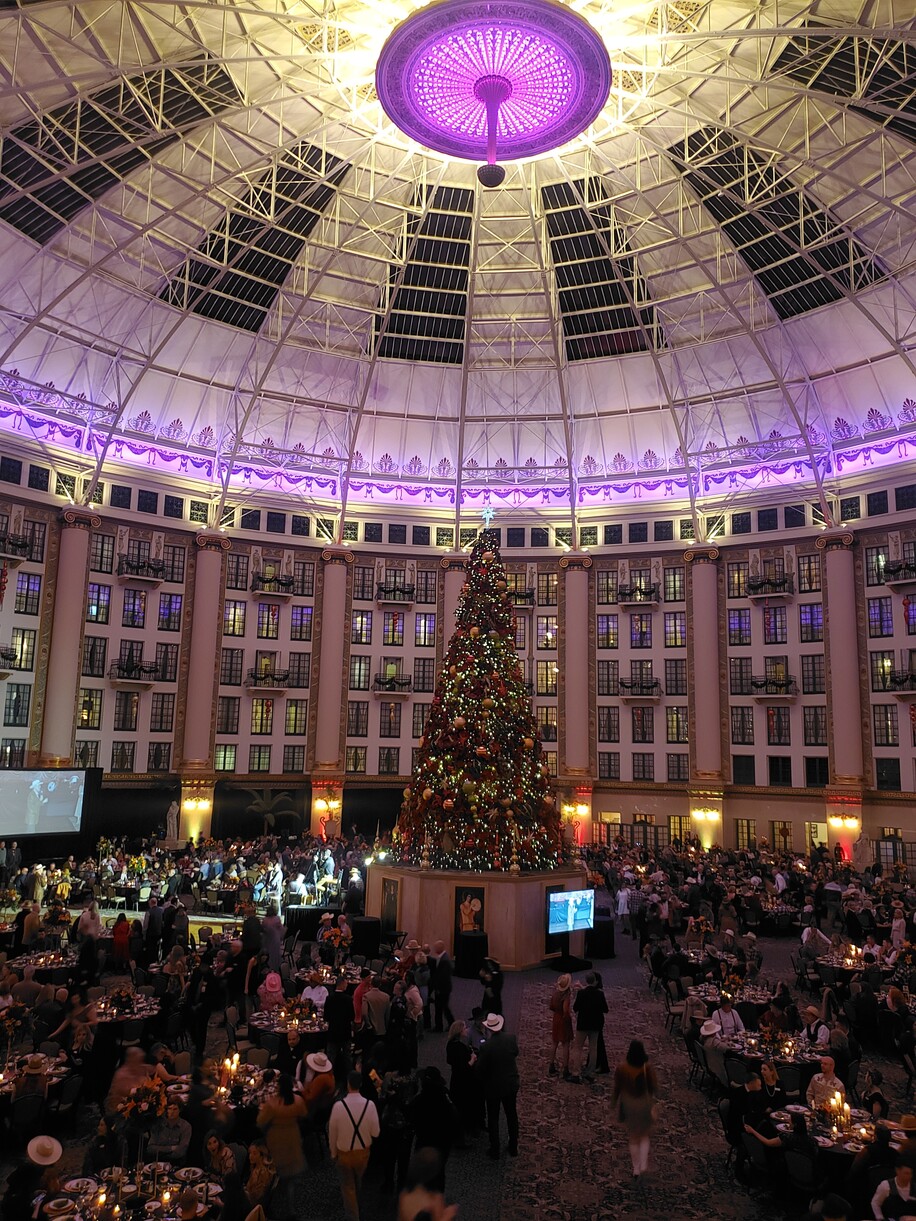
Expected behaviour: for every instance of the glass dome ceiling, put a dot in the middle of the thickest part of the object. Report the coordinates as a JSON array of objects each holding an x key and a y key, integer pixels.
[{"x": 218, "y": 256}]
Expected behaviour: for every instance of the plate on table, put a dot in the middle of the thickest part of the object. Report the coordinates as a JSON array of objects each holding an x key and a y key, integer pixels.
[
  {"x": 60, "y": 1206},
  {"x": 796, "y": 1108},
  {"x": 783, "y": 1127},
  {"x": 854, "y": 1146},
  {"x": 189, "y": 1174},
  {"x": 824, "y": 1142},
  {"x": 80, "y": 1185},
  {"x": 857, "y": 1113},
  {"x": 128, "y": 1189},
  {"x": 157, "y": 1167},
  {"x": 779, "y": 1114}
]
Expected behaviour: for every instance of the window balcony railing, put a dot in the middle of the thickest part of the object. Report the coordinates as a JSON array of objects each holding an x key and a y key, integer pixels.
[
  {"x": 770, "y": 586},
  {"x": 394, "y": 593},
  {"x": 394, "y": 683},
  {"x": 147, "y": 570},
  {"x": 899, "y": 572},
  {"x": 640, "y": 686},
  {"x": 267, "y": 680},
  {"x": 273, "y": 585},
  {"x": 16, "y": 545},
  {"x": 139, "y": 670},
  {"x": 521, "y": 597},
  {"x": 763, "y": 684},
  {"x": 634, "y": 595}
]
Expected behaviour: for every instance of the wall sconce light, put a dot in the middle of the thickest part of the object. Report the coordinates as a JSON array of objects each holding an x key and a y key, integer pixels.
[{"x": 705, "y": 815}]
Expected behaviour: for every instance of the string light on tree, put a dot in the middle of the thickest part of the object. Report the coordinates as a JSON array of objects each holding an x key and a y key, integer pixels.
[{"x": 479, "y": 797}]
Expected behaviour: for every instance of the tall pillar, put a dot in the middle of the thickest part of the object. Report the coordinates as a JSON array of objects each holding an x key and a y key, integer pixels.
[
  {"x": 64, "y": 658},
  {"x": 332, "y": 656},
  {"x": 844, "y": 695},
  {"x": 455, "y": 565},
  {"x": 204, "y": 653},
  {"x": 575, "y": 635},
  {"x": 703, "y": 637}
]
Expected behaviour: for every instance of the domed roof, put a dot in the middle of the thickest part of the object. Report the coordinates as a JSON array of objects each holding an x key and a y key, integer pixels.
[{"x": 215, "y": 243}]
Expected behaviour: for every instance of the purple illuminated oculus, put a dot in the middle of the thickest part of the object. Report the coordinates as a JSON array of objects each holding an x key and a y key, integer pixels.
[{"x": 531, "y": 73}]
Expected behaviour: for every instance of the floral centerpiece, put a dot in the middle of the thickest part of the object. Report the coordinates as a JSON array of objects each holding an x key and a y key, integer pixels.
[
  {"x": 298, "y": 1011},
  {"x": 10, "y": 1025},
  {"x": 121, "y": 999},
  {"x": 731, "y": 985},
  {"x": 700, "y": 927},
  {"x": 9, "y": 900},
  {"x": 145, "y": 1104},
  {"x": 57, "y": 916},
  {"x": 136, "y": 865},
  {"x": 338, "y": 939}
]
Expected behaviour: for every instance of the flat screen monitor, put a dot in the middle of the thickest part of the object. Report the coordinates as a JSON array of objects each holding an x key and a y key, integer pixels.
[
  {"x": 41, "y": 802},
  {"x": 570, "y": 911}
]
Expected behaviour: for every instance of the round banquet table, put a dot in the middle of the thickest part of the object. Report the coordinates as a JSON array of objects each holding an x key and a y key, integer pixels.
[{"x": 78, "y": 1197}]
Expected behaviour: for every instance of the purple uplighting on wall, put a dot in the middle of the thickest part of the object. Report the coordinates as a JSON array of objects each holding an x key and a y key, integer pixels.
[{"x": 539, "y": 68}]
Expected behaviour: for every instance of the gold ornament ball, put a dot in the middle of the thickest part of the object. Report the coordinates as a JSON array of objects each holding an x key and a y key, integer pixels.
[
  {"x": 427, "y": 794},
  {"x": 487, "y": 556},
  {"x": 475, "y": 632},
  {"x": 459, "y": 722},
  {"x": 453, "y": 670},
  {"x": 488, "y": 703},
  {"x": 500, "y": 584},
  {"x": 528, "y": 743}
]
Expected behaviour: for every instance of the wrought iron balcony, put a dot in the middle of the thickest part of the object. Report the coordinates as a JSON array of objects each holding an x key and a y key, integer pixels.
[
  {"x": 639, "y": 594},
  {"x": 147, "y": 571},
  {"x": 898, "y": 573},
  {"x": 776, "y": 587},
  {"x": 390, "y": 686},
  {"x": 14, "y": 547},
  {"x": 133, "y": 672},
  {"x": 283, "y": 587},
  {"x": 521, "y": 597},
  {"x": 267, "y": 680},
  {"x": 394, "y": 593},
  {"x": 640, "y": 689},
  {"x": 763, "y": 686}
]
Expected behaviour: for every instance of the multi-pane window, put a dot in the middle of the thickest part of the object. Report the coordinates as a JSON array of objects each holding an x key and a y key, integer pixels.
[
  {"x": 230, "y": 667},
  {"x": 740, "y": 673},
  {"x": 547, "y": 589},
  {"x": 98, "y": 603},
  {"x": 739, "y": 626},
  {"x": 608, "y": 765},
  {"x": 300, "y": 627},
  {"x": 776, "y": 668},
  {"x": 127, "y": 706},
  {"x": 22, "y": 643},
  {"x": 86, "y": 753},
  {"x": 36, "y": 532},
  {"x": 28, "y": 596},
  {"x": 294, "y": 758},
  {"x": 520, "y": 632},
  {"x": 881, "y": 667},
  {"x": 166, "y": 663},
  {"x": 122, "y": 756},
  {"x": 884, "y": 720},
  {"x": 134, "y": 612},
  {"x": 813, "y": 674},
  {"x": 676, "y": 723},
  {"x": 736, "y": 577},
  {"x": 425, "y": 630},
  {"x": 389, "y": 760},
  {"x": 606, "y": 586},
  {"x": 101, "y": 553},
  {"x": 608, "y": 677},
  {"x": 17, "y": 703},
  {"x": 778, "y": 726},
  {"x": 262, "y": 716},
  {"x": 159, "y": 757},
  {"x": 224, "y": 755},
  {"x": 815, "y": 719},
  {"x": 607, "y": 632},
  {"x": 268, "y": 621},
  {"x": 357, "y": 718},
  {"x": 236, "y": 571},
  {"x": 360, "y": 671},
  {"x": 675, "y": 629},
  {"x": 169, "y": 612},
  {"x": 234, "y": 617},
  {"x": 304, "y": 579},
  {"x": 775, "y": 625},
  {"x": 809, "y": 574},
  {"x": 389, "y": 720},
  {"x": 95, "y": 655},
  {"x": 227, "y": 714},
  {"x": 875, "y": 563},
  {"x": 363, "y": 584},
  {"x": 675, "y": 675},
  {"x": 89, "y": 714},
  {"x": 173, "y": 559},
  {"x": 361, "y": 627},
  {"x": 674, "y": 584},
  {"x": 420, "y": 713},
  {"x": 678, "y": 767},
  {"x": 810, "y": 622},
  {"x": 259, "y": 758},
  {"x": 549, "y": 759},
  {"x": 608, "y": 724},
  {"x": 546, "y": 678},
  {"x": 393, "y": 628},
  {"x": 296, "y": 721},
  {"x": 643, "y": 724},
  {"x": 643, "y": 766},
  {"x": 546, "y": 631},
  {"x": 547, "y": 722},
  {"x": 641, "y": 631},
  {"x": 427, "y": 586},
  {"x": 356, "y": 759},
  {"x": 424, "y": 674},
  {"x": 742, "y": 725},
  {"x": 746, "y": 832},
  {"x": 880, "y": 617},
  {"x": 910, "y": 617},
  {"x": 300, "y": 669}
]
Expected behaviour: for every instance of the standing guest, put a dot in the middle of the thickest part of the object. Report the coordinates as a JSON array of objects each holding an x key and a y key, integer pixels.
[
  {"x": 152, "y": 930},
  {"x": 561, "y": 1026},
  {"x": 590, "y": 1006},
  {"x": 422, "y": 975},
  {"x": 28, "y": 990},
  {"x": 441, "y": 985},
  {"x": 435, "y": 1119},
  {"x": 89, "y": 923},
  {"x": 338, "y": 1013},
  {"x": 120, "y": 936},
  {"x": 135, "y": 943},
  {"x": 635, "y": 1091},
  {"x": 31, "y": 926},
  {"x": 420, "y": 1197},
  {"x": 491, "y": 976},
  {"x": 414, "y": 1025},
  {"x": 319, "y": 1087},
  {"x": 375, "y": 1009},
  {"x": 462, "y": 1085},
  {"x": 352, "y": 1129},
  {"x": 272, "y": 934},
  {"x": 278, "y": 1119},
  {"x": 497, "y": 1068}
]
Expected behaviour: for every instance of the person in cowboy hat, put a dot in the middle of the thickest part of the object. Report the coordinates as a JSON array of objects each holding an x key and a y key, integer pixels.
[
  {"x": 36, "y": 1172},
  {"x": 34, "y": 1078},
  {"x": 497, "y": 1066},
  {"x": 319, "y": 1087}
]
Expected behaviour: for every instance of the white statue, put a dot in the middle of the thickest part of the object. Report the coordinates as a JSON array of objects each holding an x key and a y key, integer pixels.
[{"x": 171, "y": 822}]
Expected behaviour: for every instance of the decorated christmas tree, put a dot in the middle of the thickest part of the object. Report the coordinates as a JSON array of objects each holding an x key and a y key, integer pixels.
[{"x": 479, "y": 797}]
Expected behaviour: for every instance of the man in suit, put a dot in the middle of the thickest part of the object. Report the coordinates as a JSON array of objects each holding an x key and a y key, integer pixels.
[
  {"x": 497, "y": 1066},
  {"x": 152, "y": 930},
  {"x": 440, "y": 985}
]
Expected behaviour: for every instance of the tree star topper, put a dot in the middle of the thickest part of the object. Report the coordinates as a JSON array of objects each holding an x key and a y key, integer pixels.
[{"x": 487, "y": 513}]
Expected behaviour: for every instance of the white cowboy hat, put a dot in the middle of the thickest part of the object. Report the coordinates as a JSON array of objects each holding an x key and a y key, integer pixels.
[
  {"x": 319, "y": 1062},
  {"x": 494, "y": 1022},
  {"x": 709, "y": 1028},
  {"x": 44, "y": 1150}
]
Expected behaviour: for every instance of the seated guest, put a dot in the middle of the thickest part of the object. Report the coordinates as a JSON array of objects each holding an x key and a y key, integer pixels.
[
  {"x": 892, "y": 1197},
  {"x": 315, "y": 991},
  {"x": 33, "y": 1079},
  {"x": 289, "y": 1055},
  {"x": 270, "y": 993},
  {"x": 727, "y": 1018},
  {"x": 824, "y": 1085},
  {"x": 873, "y": 1097},
  {"x": 799, "y": 1140},
  {"x": 816, "y": 1031},
  {"x": 262, "y": 1178},
  {"x": 189, "y": 1205},
  {"x": 219, "y": 1160},
  {"x": 103, "y": 1150},
  {"x": 774, "y": 1018},
  {"x": 171, "y": 1136},
  {"x": 27, "y": 991},
  {"x": 772, "y": 1087}
]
